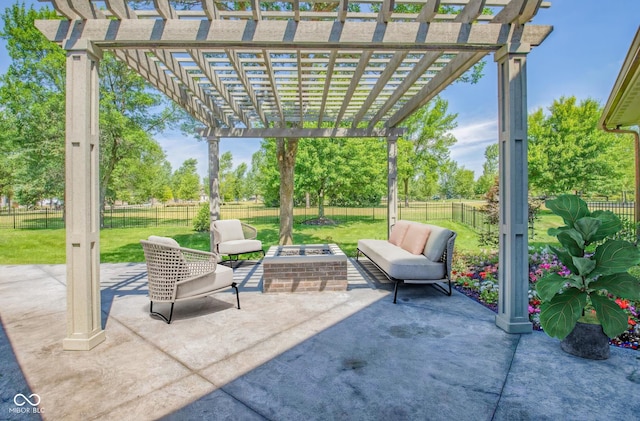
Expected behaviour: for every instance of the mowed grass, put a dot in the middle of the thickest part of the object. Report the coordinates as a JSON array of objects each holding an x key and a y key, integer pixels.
[{"x": 47, "y": 246}]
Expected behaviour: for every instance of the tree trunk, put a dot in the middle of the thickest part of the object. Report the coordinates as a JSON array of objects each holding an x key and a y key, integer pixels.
[
  {"x": 406, "y": 192},
  {"x": 307, "y": 199},
  {"x": 321, "y": 203},
  {"x": 286, "y": 154}
]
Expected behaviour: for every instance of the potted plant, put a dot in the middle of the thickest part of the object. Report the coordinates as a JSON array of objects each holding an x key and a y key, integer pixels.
[{"x": 597, "y": 277}]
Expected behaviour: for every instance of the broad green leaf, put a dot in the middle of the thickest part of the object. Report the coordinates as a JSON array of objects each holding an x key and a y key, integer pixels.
[
  {"x": 623, "y": 285},
  {"x": 587, "y": 227},
  {"x": 613, "y": 319},
  {"x": 558, "y": 317},
  {"x": 610, "y": 224},
  {"x": 569, "y": 207},
  {"x": 565, "y": 258},
  {"x": 615, "y": 256},
  {"x": 555, "y": 231},
  {"x": 572, "y": 241},
  {"x": 549, "y": 286},
  {"x": 584, "y": 265}
]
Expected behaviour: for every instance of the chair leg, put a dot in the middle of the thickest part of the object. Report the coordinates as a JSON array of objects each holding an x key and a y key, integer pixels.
[
  {"x": 235, "y": 286},
  {"x": 162, "y": 316},
  {"x": 395, "y": 292}
]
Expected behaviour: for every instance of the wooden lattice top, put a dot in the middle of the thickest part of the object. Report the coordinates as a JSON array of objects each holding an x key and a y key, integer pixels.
[{"x": 276, "y": 64}]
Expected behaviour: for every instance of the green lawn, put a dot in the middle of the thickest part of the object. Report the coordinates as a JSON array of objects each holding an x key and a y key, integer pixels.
[{"x": 122, "y": 245}]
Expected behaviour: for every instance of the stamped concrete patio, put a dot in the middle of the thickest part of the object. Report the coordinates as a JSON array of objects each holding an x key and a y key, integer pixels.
[{"x": 313, "y": 356}]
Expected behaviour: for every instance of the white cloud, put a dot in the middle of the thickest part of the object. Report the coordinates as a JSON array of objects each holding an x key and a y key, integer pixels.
[{"x": 473, "y": 139}]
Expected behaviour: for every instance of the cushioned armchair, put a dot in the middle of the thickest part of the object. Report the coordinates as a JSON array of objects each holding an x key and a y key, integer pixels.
[
  {"x": 176, "y": 273},
  {"x": 233, "y": 238}
]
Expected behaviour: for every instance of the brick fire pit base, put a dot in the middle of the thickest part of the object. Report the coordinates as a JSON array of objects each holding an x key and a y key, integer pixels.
[{"x": 304, "y": 268}]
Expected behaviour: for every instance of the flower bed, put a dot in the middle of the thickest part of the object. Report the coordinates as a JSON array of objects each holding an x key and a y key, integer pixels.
[{"x": 476, "y": 276}]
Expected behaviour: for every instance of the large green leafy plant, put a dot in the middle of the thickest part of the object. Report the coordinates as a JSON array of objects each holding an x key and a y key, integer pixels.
[{"x": 596, "y": 278}]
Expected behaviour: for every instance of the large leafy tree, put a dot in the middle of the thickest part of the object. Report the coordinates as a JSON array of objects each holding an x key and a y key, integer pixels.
[
  {"x": 569, "y": 153},
  {"x": 33, "y": 96},
  {"x": 186, "y": 181},
  {"x": 424, "y": 150},
  {"x": 489, "y": 169}
]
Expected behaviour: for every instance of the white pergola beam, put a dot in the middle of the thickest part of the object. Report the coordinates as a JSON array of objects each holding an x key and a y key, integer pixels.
[
  {"x": 186, "y": 34},
  {"x": 297, "y": 133}
]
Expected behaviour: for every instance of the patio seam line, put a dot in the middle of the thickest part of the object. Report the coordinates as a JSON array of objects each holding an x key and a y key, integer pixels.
[
  {"x": 153, "y": 345},
  {"x": 506, "y": 376},
  {"x": 51, "y": 274},
  {"x": 232, "y": 396}
]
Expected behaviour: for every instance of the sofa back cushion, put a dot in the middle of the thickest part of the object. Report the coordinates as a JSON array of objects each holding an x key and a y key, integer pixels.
[
  {"x": 435, "y": 246},
  {"x": 416, "y": 237},
  {"x": 398, "y": 232},
  {"x": 230, "y": 229}
]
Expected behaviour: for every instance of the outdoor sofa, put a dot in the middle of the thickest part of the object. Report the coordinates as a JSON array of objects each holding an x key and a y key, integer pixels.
[{"x": 415, "y": 253}]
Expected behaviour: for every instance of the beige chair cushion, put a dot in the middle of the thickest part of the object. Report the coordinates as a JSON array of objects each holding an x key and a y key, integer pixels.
[
  {"x": 210, "y": 282},
  {"x": 398, "y": 232},
  {"x": 239, "y": 246},
  {"x": 230, "y": 230},
  {"x": 416, "y": 238},
  {"x": 164, "y": 240}
]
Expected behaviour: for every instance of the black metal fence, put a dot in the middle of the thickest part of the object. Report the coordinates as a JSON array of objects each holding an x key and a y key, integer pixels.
[{"x": 147, "y": 216}]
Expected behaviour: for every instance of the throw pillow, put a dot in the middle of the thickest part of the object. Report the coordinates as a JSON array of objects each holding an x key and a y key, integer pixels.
[
  {"x": 416, "y": 238},
  {"x": 398, "y": 232}
]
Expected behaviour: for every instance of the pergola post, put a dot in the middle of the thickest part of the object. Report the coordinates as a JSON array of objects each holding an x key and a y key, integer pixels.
[
  {"x": 392, "y": 182},
  {"x": 82, "y": 196},
  {"x": 214, "y": 185},
  {"x": 513, "y": 276}
]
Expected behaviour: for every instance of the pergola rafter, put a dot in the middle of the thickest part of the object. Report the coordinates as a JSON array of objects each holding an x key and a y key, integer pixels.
[{"x": 291, "y": 69}]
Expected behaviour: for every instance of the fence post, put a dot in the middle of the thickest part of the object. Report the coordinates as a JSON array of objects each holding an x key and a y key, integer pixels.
[{"x": 14, "y": 218}]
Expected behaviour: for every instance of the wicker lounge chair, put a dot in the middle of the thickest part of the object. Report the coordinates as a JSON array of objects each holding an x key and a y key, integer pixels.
[
  {"x": 234, "y": 238},
  {"x": 176, "y": 273}
]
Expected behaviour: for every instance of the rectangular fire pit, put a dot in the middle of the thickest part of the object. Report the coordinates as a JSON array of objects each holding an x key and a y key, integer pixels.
[{"x": 304, "y": 268}]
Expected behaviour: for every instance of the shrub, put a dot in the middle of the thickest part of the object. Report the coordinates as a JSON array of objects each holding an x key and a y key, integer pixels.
[{"x": 201, "y": 222}]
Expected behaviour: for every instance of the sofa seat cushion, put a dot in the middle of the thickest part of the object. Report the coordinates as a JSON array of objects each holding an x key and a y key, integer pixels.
[
  {"x": 207, "y": 283},
  {"x": 401, "y": 264},
  {"x": 239, "y": 246}
]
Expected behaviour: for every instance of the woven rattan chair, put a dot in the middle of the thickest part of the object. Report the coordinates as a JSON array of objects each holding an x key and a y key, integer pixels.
[
  {"x": 233, "y": 238},
  {"x": 176, "y": 273}
]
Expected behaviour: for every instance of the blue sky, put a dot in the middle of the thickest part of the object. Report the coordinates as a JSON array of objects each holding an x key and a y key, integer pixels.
[{"x": 582, "y": 57}]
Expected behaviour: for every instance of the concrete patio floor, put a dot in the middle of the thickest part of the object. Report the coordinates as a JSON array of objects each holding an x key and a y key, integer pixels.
[{"x": 314, "y": 356}]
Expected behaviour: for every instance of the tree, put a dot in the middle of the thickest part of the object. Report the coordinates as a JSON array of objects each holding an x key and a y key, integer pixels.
[
  {"x": 186, "y": 182},
  {"x": 489, "y": 169},
  {"x": 33, "y": 93},
  {"x": 225, "y": 175},
  {"x": 239, "y": 188},
  {"x": 429, "y": 134},
  {"x": 32, "y": 98},
  {"x": 569, "y": 153},
  {"x": 464, "y": 183}
]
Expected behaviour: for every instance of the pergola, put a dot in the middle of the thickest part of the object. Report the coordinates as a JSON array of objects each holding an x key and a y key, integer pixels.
[{"x": 292, "y": 69}]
